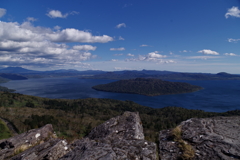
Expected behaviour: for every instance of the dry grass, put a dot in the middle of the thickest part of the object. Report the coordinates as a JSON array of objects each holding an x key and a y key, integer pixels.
[
  {"x": 21, "y": 149},
  {"x": 187, "y": 149}
]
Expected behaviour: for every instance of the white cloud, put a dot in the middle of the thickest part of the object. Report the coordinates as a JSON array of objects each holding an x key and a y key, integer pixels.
[
  {"x": 27, "y": 32},
  {"x": 144, "y": 45},
  {"x": 233, "y": 40},
  {"x": 2, "y": 12},
  {"x": 129, "y": 54},
  {"x": 171, "y": 53},
  {"x": 122, "y": 68},
  {"x": 230, "y": 54},
  {"x": 121, "y": 25},
  {"x": 114, "y": 60},
  {"x": 117, "y": 49},
  {"x": 85, "y": 47},
  {"x": 208, "y": 51},
  {"x": 184, "y": 51},
  {"x": 118, "y": 54},
  {"x": 15, "y": 32},
  {"x": 202, "y": 57},
  {"x": 170, "y": 61},
  {"x": 74, "y": 35},
  {"x": 121, "y": 38},
  {"x": 155, "y": 55},
  {"x": 152, "y": 57},
  {"x": 234, "y": 11},
  {"x": 58, "y": 14},
  {"x": 25, "y": 44},
  {"x": 31, "y": 19},
  {"x": 57, "y": 27}
]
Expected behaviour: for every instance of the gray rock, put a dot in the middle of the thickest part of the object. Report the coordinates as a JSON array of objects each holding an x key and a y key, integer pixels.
[
  {"x": 167, "y": 146},
  {"x": 52, "y": 149},
  {"x": 21, "y": 142},
  {"x": 120, "y": 138},
  {"x": 127, "y": 126},
  {"x": 212, "y": 138}
]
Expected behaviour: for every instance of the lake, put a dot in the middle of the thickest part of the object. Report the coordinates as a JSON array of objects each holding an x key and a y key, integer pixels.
[{"x": 217, "y": 95}]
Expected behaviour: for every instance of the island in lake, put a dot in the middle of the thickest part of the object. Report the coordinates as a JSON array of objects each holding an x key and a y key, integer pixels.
[{"x": 148, "y": 87}]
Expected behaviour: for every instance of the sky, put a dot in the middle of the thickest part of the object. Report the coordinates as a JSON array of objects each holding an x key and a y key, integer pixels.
[{"x": 174, "y": 35}]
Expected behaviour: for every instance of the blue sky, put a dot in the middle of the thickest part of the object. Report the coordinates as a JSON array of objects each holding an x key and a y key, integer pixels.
[{"x": 185, "y": 36}]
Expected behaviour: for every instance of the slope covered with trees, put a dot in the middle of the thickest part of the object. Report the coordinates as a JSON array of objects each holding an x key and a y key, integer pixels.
[
  {"x": 148, "y": 87},
  {"x": 73, "y": 119}
]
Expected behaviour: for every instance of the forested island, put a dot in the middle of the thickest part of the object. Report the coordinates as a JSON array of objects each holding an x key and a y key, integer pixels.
[{"x": 148, "y": 87}]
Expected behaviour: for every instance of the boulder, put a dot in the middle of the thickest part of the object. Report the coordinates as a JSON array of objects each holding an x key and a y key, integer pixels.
[
  {"x": 14, "y": 145},
  {"x": 116, "y": 139},
  {"x": 211, "y": 138},
  {"x": 53, "y": 149}
]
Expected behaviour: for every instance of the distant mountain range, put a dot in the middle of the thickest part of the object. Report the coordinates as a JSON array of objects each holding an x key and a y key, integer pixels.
[
  {"x": 41, "y": 74},
  {"x": 164, "y": 75},
  {"x": 16, "y": 73}
]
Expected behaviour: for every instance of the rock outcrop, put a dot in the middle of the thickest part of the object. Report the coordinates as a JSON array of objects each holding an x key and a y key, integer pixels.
[
  {"x": 14, "y": 145},
  {"x": 122, "y": 138},
  {"x": 50, "y": 150},
  {"x": 210, "y": 138},
  {"x": 117, "y": 139}
]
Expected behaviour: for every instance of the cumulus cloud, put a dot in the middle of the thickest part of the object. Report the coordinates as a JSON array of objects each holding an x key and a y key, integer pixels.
[
  {"x": 58, "y": 14},
  {"x": 117, "y": 49},
  {"x": 234, "y": 12},
  {"x": 75, "y": 35},
  {"x": 114, "y": 60},
  {"x": 152, "y": 57},
  {"x": 25, "y": 44},
  {"x": 85, "y": 47},
  {"x": 233, "y": 40},
  {"x": 121, "y": 25},
  {"x": 27, "y": 32},
  {"x": 2, "y": 12},
  {"x": 208, "y": 51},
  {"x": 129, "y": 54},
  {"x": 230, "y": 54},
  {"x": 155, "y": 55}
]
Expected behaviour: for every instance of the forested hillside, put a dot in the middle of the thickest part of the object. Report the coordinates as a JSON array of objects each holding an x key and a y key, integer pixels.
[{"x": 75, "y": 118}]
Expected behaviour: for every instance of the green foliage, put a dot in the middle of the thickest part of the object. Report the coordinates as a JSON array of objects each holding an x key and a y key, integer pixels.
[
  {"x": 149, "y": 87},
  {"x": 4, "y": 131},
  {"x": 36, "y": 121},
  {"x": 187, "y": 150}
]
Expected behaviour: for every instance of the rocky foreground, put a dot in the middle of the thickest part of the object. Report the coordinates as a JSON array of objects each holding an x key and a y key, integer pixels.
[{"x": 122, "y": 138}]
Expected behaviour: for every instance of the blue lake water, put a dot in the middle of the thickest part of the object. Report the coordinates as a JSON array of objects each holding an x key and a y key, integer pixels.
[{"x": 217, "y": 96}]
